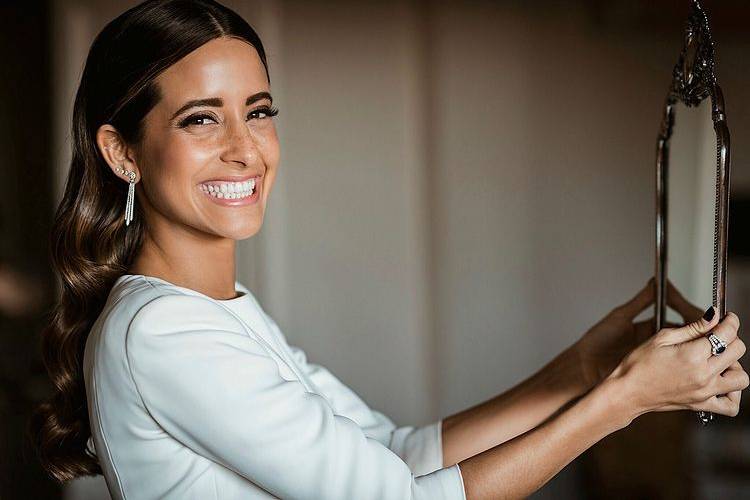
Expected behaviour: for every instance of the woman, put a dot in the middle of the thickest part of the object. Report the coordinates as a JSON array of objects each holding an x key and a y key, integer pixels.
[{"x": 174, "y": 383}]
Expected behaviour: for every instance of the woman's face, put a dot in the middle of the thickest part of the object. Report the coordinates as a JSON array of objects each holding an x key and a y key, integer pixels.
[{"x": 198, "y": 160}]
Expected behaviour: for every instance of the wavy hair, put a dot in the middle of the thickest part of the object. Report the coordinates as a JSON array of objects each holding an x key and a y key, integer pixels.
[{"x": 90, "y": 246}]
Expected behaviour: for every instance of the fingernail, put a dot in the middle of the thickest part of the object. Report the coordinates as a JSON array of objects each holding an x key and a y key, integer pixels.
[{"x": 709, "y": 314}]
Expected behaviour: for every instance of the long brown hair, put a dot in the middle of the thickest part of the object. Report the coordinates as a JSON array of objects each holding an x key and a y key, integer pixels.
[{"x": 90, "y": 245}]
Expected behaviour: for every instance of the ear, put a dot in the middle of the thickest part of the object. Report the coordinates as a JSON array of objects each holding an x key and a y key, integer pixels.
[{"x": 116, "y": 152}]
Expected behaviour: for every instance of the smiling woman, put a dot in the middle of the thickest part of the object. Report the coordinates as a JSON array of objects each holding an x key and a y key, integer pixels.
[
  {"x": 171, "y": 379},
  {"x": 173, "y": 382},
  {"x": 211, "y": 129}
]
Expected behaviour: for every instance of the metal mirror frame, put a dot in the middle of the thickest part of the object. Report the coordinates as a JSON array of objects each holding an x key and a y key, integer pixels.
[{"x": 693, "y": 81}]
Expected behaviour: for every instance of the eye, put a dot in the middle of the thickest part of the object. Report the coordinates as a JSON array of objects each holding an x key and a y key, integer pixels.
[
  {"x": 191, "y": 120},
  {"x": 266, "y": 110}
]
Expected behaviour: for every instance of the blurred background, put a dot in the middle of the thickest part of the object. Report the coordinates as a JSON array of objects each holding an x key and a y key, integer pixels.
[{"x": 464, "y": 189}]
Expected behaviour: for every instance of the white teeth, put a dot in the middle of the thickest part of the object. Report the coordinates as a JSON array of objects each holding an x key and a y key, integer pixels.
[{"x": 230, "y": 190}]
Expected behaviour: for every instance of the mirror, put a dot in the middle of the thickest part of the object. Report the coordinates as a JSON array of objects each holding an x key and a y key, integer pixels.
[
  {"x": 691, "y": 206},
  {"x": 692, "y": 179}
]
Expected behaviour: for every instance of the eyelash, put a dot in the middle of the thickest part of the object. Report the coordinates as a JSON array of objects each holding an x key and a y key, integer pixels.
[{"x": 269, "y": 111}]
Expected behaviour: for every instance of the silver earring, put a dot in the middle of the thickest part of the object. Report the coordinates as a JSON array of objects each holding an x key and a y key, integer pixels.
[{"x": 131, "y": 195}]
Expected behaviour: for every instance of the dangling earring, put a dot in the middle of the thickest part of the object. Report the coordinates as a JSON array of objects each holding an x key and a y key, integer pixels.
[{"x": 131, "y": 195}]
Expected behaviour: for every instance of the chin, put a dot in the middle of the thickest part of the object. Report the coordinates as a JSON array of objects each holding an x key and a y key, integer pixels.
[{"x": 243, "y": 231}]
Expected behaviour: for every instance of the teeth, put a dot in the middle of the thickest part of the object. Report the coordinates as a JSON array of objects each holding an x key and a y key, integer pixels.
[{"x": 230, "y": 190}]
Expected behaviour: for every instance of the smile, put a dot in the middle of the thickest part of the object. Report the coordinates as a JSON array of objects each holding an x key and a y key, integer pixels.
[
  {"x": 231, "y": 193},
  {"x": 231, "y": 190}
]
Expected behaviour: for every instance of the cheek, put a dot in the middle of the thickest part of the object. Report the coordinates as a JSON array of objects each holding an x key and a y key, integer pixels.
[
  {"x": 270, "y": 150},
  {"x": 187, "y": 154},
  {"x": 271, "y": 158},
  {"x": 272, "y": 161},
  {"x": 173, "y": 166}
]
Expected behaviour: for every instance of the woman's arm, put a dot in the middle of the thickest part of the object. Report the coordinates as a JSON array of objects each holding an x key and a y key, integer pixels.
[
  {"x": 418, "y": 446},
  {"x": 570, "y": 375},
  {"x": 513, "y": 412},
  {"x": 673, "y": 370},
  {"x": 217, "y": 389},
  {"x": 519, "y": 467}
]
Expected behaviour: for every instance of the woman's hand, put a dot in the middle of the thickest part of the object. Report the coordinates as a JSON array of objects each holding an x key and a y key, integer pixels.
[
  {"x": 671, "y": 370},
  {"x": 606, "y": 343},
  {"x": 676, "y": 370}
]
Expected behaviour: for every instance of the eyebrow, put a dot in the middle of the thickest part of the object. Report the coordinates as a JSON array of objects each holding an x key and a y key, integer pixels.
[{"x": 218, "y": 102}]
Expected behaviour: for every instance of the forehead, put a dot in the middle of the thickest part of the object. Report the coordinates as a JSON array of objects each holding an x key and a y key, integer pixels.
[{"x": 224, "y": 67}]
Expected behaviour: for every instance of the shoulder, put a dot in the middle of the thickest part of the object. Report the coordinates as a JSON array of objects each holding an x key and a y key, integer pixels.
[
  {"x": 171, "y": 313},
  {"x": 177, "y": 329},
  {"x": 143, "y": 310},
  {"x": 177, "y": 308},
  {"x": 142, "y": 300}
]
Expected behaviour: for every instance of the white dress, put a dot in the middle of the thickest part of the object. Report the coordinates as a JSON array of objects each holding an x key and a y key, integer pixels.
[{"x": 190, "y": 397}]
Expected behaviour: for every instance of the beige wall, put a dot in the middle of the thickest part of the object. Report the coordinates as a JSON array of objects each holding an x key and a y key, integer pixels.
[
  {"x": 355, "y": 293},
  {"x": 464, "y": 189}
]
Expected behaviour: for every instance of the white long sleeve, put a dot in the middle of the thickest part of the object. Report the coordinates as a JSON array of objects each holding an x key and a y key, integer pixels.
[
  {"x": 216, "y": 389},
  {"x": 419, "y": 447}
]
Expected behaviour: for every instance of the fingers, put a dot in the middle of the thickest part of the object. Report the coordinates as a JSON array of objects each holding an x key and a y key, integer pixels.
[
  {"x": 734, "y": 365},
  {"x": 691, "y": 331},
  {"x": 732, "y": 380},
  {"x": 734, "y": 397},
  {"x": 733, "y": 352},
  {"x": 679, "y": 303},
  {"x": 643, "y": 299},
  {"x": 726, "y": 330},
  {"x": 700, "y": 348},
  {"x": 727, "y": 392},
  {"x": 723, "y": 405}
]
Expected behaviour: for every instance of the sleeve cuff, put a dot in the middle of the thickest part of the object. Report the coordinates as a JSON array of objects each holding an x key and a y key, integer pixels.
[
  {"x": 446, "y": 483},
  {"x": 421, "y": 447},
  {"x": 463, "y": 486}
]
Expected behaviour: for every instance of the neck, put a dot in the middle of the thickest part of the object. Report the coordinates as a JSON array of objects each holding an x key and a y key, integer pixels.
[{"x": 190, "y": 259}]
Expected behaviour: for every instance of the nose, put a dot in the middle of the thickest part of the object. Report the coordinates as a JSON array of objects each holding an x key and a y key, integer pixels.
[{"x": 240, "y": 146}]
